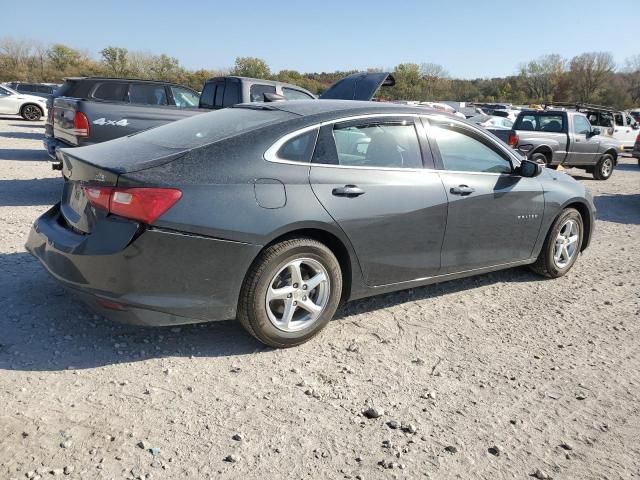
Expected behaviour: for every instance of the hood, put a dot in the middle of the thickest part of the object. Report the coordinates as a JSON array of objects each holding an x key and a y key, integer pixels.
[{"x": 359, "y": 86}]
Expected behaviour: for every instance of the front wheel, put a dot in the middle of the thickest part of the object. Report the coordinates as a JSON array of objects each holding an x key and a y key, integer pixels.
[
  {"x": 31, "y": 113},
  {"x": 290, "y": 293},
  {"x": 562, "y": 245},
  {"x": 604, "y": 167}
]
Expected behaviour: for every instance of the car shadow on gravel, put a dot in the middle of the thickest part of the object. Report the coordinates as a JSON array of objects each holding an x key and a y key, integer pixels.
[
  {"x": 24, "y": 154},
  {"x": 45, "y": 328},
  {"x": 620, "y": 208},
  {"x": 23, "y": 135},
  {"x": 37, "y": 191}
]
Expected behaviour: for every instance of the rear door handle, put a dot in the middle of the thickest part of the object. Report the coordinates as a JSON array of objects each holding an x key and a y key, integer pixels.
[
  {"x": 462, "y": 190},
  {"x": 349, "y": 191}
]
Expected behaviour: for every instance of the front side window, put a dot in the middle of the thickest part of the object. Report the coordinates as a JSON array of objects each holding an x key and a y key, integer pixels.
[
  {"x": 383, "y": 144},
  {"x": 293, "y": 94},
  {"x": 26, "y": 87},
  {"x": 460, "y": 151},
  {"x": 582, "y": 125},
  {"x": 257, "y": 91},
  {"x": 207, "y": 95},
  {"x": 299, "y": 148},
  {"x": 184, "y": 98},
  {"x": 147, "y": 94},
  {"x": 112, "y": 92}
]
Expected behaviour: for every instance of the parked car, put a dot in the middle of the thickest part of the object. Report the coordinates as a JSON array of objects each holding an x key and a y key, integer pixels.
[
  {"x": 104, "y": 109},
  {"x": 276, "y": 213},
  {"x": 88, "y": 110},
  {"x": 38, "y": 89},
  {"x": 561, "y": 137},
  {"x": 621, "y": 126},
  {"x": 499, "y": 126},
  {"x": 635, "y": 153},
  {"x": 29, "y": 107}
]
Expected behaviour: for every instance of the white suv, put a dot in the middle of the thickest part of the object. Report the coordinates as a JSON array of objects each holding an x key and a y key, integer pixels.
[{"x": 29, "y": 107}]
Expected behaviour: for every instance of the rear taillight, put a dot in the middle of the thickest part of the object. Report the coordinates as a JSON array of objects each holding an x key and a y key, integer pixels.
[
  {"x": 80, "y": 125},
  {"x": 143, "y": 204},
  {"x": 513, "y": 140},
  {"x": 638, "y": 139}
]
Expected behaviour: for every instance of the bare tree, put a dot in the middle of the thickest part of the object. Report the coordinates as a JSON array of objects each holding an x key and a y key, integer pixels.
[
  {"x": 541, "y": 76},
  {"x": 589, "y": 73},
  {"x": 631, "y": 72}
]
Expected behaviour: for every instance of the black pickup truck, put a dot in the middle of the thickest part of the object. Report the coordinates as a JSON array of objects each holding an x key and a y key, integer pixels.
[{"x": 93, "y": 110}]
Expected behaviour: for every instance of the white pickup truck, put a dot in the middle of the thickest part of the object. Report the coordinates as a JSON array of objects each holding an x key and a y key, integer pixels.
[{"x": 619, "y": 125}]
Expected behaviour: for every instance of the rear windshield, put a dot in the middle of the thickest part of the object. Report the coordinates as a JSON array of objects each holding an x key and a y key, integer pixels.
[
  {"x": 206, "y": 128},
  {"x": 540, "y": 122}
]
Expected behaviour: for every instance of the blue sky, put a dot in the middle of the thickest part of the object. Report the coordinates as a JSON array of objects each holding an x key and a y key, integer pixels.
[{"x": 472, "y": 38}]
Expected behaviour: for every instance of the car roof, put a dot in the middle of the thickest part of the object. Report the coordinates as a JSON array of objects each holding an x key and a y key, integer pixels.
[
  {"x": 347, "y": 107},
  {"x": 116, "y": 79}
]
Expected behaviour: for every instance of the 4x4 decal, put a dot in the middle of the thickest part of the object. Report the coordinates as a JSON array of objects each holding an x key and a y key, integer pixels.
[{"x": 119, "y": 123}]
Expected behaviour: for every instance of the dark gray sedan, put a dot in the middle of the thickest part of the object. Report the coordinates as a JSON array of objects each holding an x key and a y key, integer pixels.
[{"x": 277, "y": 213}]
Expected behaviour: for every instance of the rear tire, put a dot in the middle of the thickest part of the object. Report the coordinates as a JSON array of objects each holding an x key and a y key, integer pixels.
[
  {"x": 562, "y": 245},
  {"x": 281, "y": 311},
  {"x": 604, "y": 167},
  {"x": 31, "y": 112}
]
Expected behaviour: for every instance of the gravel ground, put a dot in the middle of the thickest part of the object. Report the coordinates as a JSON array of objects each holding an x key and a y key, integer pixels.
[{"x": 496, "y": 376}]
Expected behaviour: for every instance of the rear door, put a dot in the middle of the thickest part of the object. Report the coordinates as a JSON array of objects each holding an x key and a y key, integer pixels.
[
  {"x": 494, "y": 216},
  {"x": 369, "y": 176}
]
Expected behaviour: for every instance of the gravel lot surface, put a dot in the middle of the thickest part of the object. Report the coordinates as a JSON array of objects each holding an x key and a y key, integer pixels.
[{"x": 504, "y": 375}]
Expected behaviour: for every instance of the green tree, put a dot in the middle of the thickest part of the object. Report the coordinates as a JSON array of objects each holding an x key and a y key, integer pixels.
[
  {"x": 63, "y": 57},
  {"x": 116, "y": 60},
  {"x": 251, "y": 67}
]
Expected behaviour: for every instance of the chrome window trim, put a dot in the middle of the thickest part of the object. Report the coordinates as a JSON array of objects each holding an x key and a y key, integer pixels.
[{"x": 270, "y": 154}]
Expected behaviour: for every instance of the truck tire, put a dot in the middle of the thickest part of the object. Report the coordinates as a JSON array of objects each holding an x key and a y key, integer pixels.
[
  {"x": 604, "y": 167},
  {"x": 31, "y": 112},
  {"x": 539, "y": 158}
]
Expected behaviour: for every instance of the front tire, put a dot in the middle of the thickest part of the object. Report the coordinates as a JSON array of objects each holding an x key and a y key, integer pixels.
[
  {"x": 604, "y": 167},
  {"x": 31, "y": 112},
  {"x": 539, "y": 158},
  {"x": 562, "y": 245},
  {"x": 290, "y": 292}
]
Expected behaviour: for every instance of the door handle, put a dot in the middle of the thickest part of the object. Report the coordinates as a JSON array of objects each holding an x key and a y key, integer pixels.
[
  {"x": 349, "y": 191},
  {"x": 462, "y": 190}
]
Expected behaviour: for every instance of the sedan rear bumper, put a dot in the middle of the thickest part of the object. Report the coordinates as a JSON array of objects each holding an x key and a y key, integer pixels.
[{"x": 144, "y": 276}]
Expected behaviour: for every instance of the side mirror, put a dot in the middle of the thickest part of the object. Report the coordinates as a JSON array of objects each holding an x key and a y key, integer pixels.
[
  {"x": 635, "y": 126},
  {"x": 530, "y": 169},
  {"x": 595, "y": 131},
  {"x": 273, "y": 97}
]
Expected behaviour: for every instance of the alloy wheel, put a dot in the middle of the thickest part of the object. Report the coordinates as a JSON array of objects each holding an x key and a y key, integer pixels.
[
  {"x": 566, "y": 244},
  {"x": 607, "y": 167},
  {"x": 298, "y": 294},
  {"x": 31, "y": 112}
]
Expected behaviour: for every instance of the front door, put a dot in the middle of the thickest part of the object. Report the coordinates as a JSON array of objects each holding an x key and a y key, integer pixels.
[
  {"x": 368, "y": 174},
  {"x": 494, "y": 216},
  {"x": 7, "y": 101},
  {"x": 584, "y": 145}
]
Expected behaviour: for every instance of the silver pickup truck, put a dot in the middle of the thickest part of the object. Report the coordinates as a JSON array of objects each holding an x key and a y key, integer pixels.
[{"x": 566, "y": 138}]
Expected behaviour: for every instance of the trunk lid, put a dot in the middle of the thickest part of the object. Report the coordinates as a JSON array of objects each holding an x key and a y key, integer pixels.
[
  {"x": 102, "y": 165},
  {"x": 359, "y": 86}
]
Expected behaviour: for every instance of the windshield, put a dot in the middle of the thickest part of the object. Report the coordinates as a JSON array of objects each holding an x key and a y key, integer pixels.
[
  {"x": 10, "y": 90},
  {"x": 206, "y": 128}
]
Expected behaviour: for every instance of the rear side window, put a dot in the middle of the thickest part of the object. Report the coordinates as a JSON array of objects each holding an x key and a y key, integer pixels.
[
  {"x": 45, "y": 89},
  {"x": 541, "y": 123},
  {"x": 206, "y": 128},
  {"x": 293, "y": 94},
  {"x": 257, "y": 91},
  {"x": 206, "y": 97},
  {"x": 147, "y": 94},
  {"x": 26, "y": 87},
  {"x": 383, "y": 145},
  {"x": 299, "y": 148},
  {"x": 112, "y": 91}
]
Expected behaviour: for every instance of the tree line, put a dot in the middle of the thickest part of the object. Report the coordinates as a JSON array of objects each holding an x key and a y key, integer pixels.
[{"x": 591, "y": 77}]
